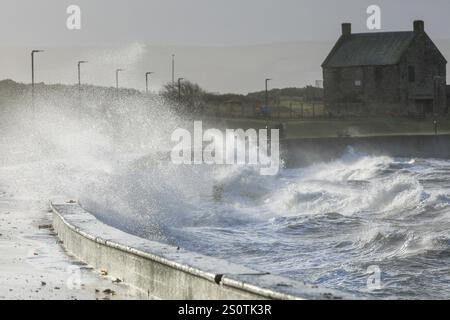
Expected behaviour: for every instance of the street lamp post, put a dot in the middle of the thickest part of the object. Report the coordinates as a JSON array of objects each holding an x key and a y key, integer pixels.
[
  {"x": 117, "y": 77},
  {"x": 437, "y": 101},
  {"x": 79, "y": 73},
  {"x": 173, "y": 69},
  {"x": 179, "y": 88},
  {"x": 146, "y": 81},
  {"x": 32, "y": 71},
  {"x": 267, "y": 92}
]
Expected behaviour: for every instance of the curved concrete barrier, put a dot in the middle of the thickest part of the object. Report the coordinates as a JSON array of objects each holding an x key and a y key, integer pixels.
[
  {"x": 165, "y": 272},
  {"x": 307, "y": 151}
]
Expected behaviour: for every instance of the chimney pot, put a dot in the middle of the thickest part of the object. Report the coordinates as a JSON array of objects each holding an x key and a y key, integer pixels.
[
  {"x": 346, "y": 29},
  {"x": 419, "y": 26}
]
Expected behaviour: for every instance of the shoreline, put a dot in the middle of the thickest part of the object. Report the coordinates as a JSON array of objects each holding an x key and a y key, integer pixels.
[
  {"x": 167, "y": 272},
  {"x": 33, "y": 265}
]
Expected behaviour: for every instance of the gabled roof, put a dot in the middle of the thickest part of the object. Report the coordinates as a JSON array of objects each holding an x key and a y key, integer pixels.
[{"x": 369, "y": 49}]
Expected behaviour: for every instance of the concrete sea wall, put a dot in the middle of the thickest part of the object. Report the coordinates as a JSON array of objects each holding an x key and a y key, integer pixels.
[
  {"x": 162, "y": 271},
  {"x": 303, "y": 152}
]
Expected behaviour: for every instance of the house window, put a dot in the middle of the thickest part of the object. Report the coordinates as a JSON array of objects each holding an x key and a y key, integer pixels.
[
  {"x": 337, "y": 75},
  {"x": 378, "y": 74},
  {"x": 358, "y": 83},
  {"x": 411, "y": 74}
]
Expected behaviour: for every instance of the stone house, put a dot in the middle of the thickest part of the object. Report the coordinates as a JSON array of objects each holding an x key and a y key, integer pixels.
[
  {"x": 396, "y": 73},
  {"x": 448, "y": 99}
]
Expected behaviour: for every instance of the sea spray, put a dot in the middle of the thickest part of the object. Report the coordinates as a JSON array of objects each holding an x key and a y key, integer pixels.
[{"x": 325, "y": 224}]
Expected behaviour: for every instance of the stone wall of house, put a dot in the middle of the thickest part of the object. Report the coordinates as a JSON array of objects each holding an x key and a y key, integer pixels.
[
  {"x": 364, "y": 90},
  {"x": 427, "y": 63},
  {"x": 448, "y": 99}
]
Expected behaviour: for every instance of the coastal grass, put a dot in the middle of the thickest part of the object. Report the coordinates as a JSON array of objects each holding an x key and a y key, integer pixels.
[{"x": 361, "y": 127}]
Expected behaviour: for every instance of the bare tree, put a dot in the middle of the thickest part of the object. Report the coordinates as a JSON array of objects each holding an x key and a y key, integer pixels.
[{"x": 188, "y": 98}]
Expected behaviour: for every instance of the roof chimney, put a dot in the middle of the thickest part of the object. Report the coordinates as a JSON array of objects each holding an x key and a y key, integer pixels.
[
  {"x": 419, "y": 26},
  {"x": 346, "y": 29}
]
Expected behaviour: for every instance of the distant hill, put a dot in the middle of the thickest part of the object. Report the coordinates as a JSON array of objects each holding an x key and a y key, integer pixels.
[{"x": 10, "y": 89}]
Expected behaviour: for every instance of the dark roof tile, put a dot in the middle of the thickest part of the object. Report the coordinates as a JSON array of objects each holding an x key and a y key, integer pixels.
[{"x": 369, "y": 49}]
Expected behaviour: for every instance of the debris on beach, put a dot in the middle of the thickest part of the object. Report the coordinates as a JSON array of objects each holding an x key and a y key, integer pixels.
[{"x": 109, "y": 291}]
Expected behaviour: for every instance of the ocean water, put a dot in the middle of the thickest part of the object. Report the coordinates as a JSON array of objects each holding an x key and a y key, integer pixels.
[{"x": 330, "y": 224}]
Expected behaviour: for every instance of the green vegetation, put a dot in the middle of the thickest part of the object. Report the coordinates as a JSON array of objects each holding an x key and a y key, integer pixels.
[
  {"x": 348, "y": 127},
  {"x": 234, "y": 111},
  {"x": 288, "y": 103}
]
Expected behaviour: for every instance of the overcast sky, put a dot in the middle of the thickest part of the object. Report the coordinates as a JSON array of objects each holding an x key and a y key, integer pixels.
[
  {"x": 224, "y": 45},
  {"x": 206, "y": 22}
]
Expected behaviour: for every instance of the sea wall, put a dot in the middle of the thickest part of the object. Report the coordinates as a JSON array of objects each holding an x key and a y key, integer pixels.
[
  {"x": 163, "y": 271},
  {"x": 302, "y": 152}
]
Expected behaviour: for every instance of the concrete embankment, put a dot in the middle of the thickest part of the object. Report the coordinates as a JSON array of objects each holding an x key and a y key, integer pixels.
[
  {"x": 165, "y": 272},
  {"x": 302, "y": 152},
  {"x": 34, "y": 267}
]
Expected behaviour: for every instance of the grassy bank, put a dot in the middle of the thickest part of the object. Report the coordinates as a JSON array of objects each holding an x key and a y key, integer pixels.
[{"x": 351, "y": 127}]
